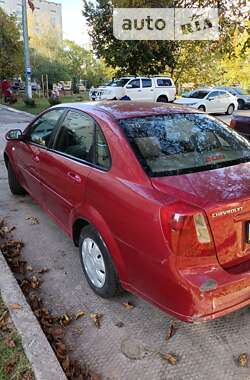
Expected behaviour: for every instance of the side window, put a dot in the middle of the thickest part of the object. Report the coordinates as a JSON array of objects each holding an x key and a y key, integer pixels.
[
  {"x": 135, "y": 83},
  {"x": 224, "y": 94},
  {"x": 164, "y": 82},
  {"x": 214, "y": 94},
  {"x": 102, "y": 150},
  {"x": 146, "y": 82},
  {"x": 76, "y": 136},
  {"x": 43, "y": 127}
]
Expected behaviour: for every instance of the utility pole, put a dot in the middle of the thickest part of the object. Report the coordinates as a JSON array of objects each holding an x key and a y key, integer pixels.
[{"x": 27, "y": 68}]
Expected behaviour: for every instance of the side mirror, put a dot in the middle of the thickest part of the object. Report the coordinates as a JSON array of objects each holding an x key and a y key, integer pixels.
[
  {"x": 129, "y": 86},
  {"x": 212, "y": 98},
  {"x": 14, "y": 134}
]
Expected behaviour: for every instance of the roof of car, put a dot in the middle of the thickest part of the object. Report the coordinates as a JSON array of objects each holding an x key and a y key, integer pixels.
[{"x": 129, "y": 109}]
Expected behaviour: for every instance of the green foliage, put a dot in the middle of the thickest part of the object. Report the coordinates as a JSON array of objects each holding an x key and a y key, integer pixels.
[
  {"x": 10, "y": 47},
  {"x": 197, "y": 62},
  {"x": 130, "y": 57}
]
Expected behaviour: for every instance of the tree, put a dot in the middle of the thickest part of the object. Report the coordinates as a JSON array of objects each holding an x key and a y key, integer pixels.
[
  {"x": 191, "y": 61},
  {"x": 82, "y": 64},
  {"x": 10, "y": 47},
  {"x": 130, "y": 57}
]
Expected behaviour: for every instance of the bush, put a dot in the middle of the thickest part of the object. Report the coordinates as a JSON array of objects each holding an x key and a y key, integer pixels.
[
  {"x": 29, "y": 102},
  {"x": 54, "y": 101}
]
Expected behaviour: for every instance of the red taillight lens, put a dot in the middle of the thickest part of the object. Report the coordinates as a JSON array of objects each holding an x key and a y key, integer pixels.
[{"x": 187, "y": 231}]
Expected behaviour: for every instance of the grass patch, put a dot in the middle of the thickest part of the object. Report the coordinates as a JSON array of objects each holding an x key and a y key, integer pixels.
[
  {"x": 42, "y": 103},
  {"x": 13, "y": 362}
]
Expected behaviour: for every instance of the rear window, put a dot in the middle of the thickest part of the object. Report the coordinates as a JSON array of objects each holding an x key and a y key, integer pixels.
[
  {"x": 183, "y": 143},
  {"x": 164, "y": 82}
]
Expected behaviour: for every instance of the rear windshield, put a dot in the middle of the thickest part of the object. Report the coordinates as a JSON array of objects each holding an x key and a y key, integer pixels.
[{"x": 184, "y": 143}]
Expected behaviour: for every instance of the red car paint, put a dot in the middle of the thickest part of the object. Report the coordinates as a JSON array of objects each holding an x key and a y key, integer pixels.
[{"x": 156, "y": 256}]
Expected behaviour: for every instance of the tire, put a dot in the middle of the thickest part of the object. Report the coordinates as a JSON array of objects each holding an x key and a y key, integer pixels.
[
  {"x": 202, "y": 108},
  {"x": 89, "y": 237},
  {"x": 14, "y": 185},
  {"x": 162, "y": 99},
  {"x": 241, "y": 104},
  {"x": 230, "y": 109}
]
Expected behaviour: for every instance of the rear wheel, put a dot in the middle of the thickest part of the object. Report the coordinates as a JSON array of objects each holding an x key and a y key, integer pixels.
[
  {"x": 97, "y": 263},
  {"x": 14, "y": 185},
  {"x": 162, "y": 99},
  {"x": 202, "y": 108},
  {"x": 230, "y": 109},
  {"x": 241, "y": 104}
]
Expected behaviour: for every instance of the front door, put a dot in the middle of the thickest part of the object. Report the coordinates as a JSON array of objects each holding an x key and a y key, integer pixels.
[
  {"x": 66, "y": 166},
  {"x": 28, "y": 152},
  {"x": 133, "y": 89}
]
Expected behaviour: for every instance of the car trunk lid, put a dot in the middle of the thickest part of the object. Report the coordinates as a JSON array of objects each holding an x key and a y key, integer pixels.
[{"x": 224, "y": 195}]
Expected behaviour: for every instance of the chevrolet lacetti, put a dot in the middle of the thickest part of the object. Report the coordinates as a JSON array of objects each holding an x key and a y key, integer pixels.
[{"x": 156, "y": 196}]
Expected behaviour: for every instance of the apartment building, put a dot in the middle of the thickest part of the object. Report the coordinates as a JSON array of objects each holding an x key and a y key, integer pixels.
[{"x": 46, "y": 15}]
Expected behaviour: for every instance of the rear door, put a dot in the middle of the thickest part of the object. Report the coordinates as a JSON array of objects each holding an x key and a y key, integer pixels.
[
  {"x": 148, "y": 92},
  {"x": 29, "y": 152}
]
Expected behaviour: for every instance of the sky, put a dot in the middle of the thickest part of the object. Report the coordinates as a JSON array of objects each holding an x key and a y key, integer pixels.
[{"x": 74, "y": 26}]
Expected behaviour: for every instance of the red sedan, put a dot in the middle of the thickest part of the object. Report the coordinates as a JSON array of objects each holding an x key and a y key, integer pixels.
[{"x": 156, "y": 196}]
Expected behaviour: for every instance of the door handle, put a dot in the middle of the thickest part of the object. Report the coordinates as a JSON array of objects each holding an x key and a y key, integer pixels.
[
  {"x": 139, "y": 90},
  {"x": 74, "y": 177}
]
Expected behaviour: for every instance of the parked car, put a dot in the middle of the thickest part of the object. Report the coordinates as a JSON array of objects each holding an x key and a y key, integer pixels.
[
  {"x": 156, "y": 196},
  {"x": 94, "y": 92},
  {"x": 241, "y": 124},
  {"x": 153, "y": 89},
  {"x": 242, "y": 97},
  {"x": 210, "y": 101}
]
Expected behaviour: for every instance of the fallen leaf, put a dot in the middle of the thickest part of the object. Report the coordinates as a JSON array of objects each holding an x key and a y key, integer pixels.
[
  {"x": 94, "y": 376},
  {"x": 65, "y": 320},
  {"x": 171, "y": 331},
  {"x": 27, "y": 375},
  {"x": 41, "y": 271},
  {"x": 170, "y": 358},
  {"x": 9, "y": 342},
  {"x": 119, "y": 324},
  {"x": 80, "y": 314},
  {"x": 15, "y": 306},
  {"x": 128, "y": 305},
  {"x": 96, "y": 319},
  {"x": 243, "y": 360},
  {"x": 10, "y": 365},
  {"x": 33, "y": 220},
  {"x": 35, "y": 282}
]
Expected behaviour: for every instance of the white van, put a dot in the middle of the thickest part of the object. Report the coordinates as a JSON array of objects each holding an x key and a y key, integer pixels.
[{"x": 151, "y": 89}]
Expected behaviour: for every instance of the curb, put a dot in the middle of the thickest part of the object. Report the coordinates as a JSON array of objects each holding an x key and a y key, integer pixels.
[
  {"x": 43, "y": 361},
  {"x": 2, "y": 106}
]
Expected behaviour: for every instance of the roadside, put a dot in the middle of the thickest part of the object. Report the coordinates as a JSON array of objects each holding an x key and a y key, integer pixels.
[
  {"x": 13, "y": 362},
  {"x": 42, "y": 103},
  {"x": 128, "y": 342}
]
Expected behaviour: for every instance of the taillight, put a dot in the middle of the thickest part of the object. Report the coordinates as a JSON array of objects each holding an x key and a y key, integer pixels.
[
  {"x": 187, "y": 231},
  {"x": 202, "y": 232}
]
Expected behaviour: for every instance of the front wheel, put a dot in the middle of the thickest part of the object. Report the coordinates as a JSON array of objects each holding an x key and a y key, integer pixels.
[
  {"x": 14, "y": 185},
  {"x": 230, "y": 109},
  {"x": 97, "y": 263},
  {"x": 202, "y": 108}
]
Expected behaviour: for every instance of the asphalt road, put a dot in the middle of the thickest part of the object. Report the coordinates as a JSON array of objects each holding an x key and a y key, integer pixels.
[{"x": 205, "y": 351}]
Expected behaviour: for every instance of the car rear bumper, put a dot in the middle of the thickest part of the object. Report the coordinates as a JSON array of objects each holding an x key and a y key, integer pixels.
[{"x": 215, "y": 294}]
